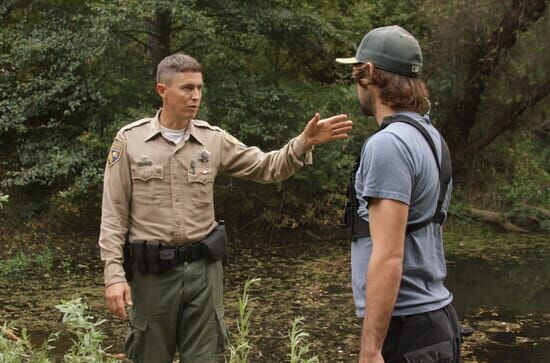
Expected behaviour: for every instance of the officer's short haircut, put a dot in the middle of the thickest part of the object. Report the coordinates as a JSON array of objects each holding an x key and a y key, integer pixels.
[
  {"x": 176, "y": 63},
  {"x": 397, "y": 91}
]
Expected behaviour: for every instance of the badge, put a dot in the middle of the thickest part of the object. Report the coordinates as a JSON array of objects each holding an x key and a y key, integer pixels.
[
  {"x": 115, "y": 152},
  {"x": 204, "y": 156}
]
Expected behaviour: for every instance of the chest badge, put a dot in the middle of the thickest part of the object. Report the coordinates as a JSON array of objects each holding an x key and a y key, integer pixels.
[{"x": 204, "y": 156}]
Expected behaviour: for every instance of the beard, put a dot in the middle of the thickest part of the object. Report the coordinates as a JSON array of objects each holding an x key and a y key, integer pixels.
[{"x": 367, "y": 104}]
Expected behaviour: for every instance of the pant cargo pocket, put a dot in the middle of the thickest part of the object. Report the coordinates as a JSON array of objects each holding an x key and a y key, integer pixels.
[
  {"x": 135, "y": 338},
  {"x": 436, "y": 353},
  {"x": 222, "y": 338}
]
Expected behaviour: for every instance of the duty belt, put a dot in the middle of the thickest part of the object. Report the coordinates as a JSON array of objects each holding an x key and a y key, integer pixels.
[
  {"x": 189, "y": 253},
  {"x": 153, "y": 256}
]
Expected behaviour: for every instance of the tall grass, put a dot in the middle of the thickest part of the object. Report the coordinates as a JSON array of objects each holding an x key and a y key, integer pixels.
[
  {"x": 299, "y": 347},
  {"x": 239, "y": 351}
]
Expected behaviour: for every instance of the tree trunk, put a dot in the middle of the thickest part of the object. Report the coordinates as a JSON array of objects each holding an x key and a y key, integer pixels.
[
  {"x": 502, "y": 219},
  {"x": 159, "y": 39},
  {"x": 461, "y": 118}
]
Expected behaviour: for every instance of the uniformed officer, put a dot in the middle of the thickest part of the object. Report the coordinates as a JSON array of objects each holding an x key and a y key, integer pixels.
[
  {"x": 398, "y": 263},
  {"x": 158, "y": 186}
]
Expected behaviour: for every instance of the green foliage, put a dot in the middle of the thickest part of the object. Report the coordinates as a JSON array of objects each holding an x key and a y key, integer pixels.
[
  {"x": 15, "y": 266},
  {"x": 3, "y": 199},
  {"x": 299, "y": 347},
  {"x": 21, "y": 264},
  {"x": 18, "y": 349},
  {"x": 516, "y": 174},
  {"x": 88, "y": 341},
  {"x": 72, "y": 73},
  {"x": 240, "y": 349}
]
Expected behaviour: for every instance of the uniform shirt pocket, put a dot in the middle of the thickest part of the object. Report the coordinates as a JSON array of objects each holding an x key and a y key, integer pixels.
[
  {"x": 146, "y": 181},
  {"x": 201, "y": 194},
  {"x": 201, "y": 185}
]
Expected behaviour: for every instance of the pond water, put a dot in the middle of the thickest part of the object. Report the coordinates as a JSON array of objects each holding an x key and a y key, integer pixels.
[
  {"x": 504, "y": 297},
  {"x": 507, "y": 302}
]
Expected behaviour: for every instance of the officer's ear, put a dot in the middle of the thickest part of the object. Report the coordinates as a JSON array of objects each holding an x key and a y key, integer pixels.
[{"x": 161, "y": 89}]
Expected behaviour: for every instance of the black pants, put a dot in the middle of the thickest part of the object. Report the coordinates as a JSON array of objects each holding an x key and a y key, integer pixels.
[{"x": 428, "y": 337}]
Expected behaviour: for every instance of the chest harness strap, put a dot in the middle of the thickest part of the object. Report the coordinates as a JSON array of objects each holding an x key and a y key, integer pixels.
[{"x": 358, "y": 227}]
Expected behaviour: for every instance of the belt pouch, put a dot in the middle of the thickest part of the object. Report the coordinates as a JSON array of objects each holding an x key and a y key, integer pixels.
[
  {"x": 152, "y": 249},
  {"x": 138, "y": 249},
  {"x": 167, "y": 258},
  {"x": 214, "y": 243},
  {"x": 128, "y": 263}
]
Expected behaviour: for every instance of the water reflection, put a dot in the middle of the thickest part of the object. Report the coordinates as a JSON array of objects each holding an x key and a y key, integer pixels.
[{"x": 507, "y": 302}]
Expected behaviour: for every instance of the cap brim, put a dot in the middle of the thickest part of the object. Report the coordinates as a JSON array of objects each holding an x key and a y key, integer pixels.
[{"x": 351, "y": 60}]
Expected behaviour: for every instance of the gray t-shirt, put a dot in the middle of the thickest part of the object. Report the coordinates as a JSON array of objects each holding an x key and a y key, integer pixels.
[{"x": 397, "y": 163}]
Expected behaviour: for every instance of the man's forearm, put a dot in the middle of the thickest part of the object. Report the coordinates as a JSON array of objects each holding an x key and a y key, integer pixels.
[
  {"x": 384, "y": 277},
  {"x": 388, "y": 220}
]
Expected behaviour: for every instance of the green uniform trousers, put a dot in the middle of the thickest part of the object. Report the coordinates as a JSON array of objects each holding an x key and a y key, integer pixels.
[{"x": 180, "y": 309}]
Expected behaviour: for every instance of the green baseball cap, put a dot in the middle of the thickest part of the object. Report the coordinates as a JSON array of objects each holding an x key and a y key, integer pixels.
[{"x": 390, "y": 48}]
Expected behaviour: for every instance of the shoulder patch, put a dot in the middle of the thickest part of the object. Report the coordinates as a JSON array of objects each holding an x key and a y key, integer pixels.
[
  {"x": 115, "y": 152},
  {"x": 201, "y": 123}
]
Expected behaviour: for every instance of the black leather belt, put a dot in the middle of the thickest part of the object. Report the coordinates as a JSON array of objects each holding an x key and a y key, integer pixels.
[{"x": 189, "y": 253}]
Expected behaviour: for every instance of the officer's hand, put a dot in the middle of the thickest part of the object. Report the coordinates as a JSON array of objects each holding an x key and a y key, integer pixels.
[
  {"x": 319, "y": 131},
  {"x": 117, "y": 296}
]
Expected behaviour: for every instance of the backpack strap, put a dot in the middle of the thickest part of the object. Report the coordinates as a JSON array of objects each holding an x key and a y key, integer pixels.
[{"x": 358, "y": 227}]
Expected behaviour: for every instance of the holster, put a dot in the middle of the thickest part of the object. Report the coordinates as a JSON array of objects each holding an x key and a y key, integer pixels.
[
  {"x": 215, "y": 243},
  {"x": 146, "y": 255}
]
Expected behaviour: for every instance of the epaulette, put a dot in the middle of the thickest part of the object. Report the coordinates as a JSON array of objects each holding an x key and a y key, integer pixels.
[
  {"x": 135, "y": 124},
  {"x": 201, "y": 123}
]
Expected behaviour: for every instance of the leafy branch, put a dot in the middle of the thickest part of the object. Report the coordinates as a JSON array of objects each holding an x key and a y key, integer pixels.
[{"x": 3, "y": 199}]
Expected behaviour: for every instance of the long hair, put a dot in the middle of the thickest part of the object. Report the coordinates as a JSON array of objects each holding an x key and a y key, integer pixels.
[{"x": 396, "y": 91}]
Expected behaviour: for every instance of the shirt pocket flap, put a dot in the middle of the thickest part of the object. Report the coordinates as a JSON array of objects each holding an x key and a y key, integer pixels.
[
  {"x": 147, "y": 173},
  {"x": 203, "y": 176}
]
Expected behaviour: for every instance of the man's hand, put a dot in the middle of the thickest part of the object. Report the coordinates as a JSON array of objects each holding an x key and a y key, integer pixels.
[
  {"x": 319, "y": 131},
  {"x": 117, "y": 296}
]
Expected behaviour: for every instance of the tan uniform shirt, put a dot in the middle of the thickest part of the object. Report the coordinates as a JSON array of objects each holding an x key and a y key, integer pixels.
[{"x": 154, "y": 189}]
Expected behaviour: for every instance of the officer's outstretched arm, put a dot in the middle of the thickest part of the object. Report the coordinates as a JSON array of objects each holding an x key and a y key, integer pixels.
[{"x": 249, "y": 162}]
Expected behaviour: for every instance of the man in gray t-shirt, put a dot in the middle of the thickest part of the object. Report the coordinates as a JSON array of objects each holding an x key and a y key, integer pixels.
[{"x": 397, "y": 269}]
